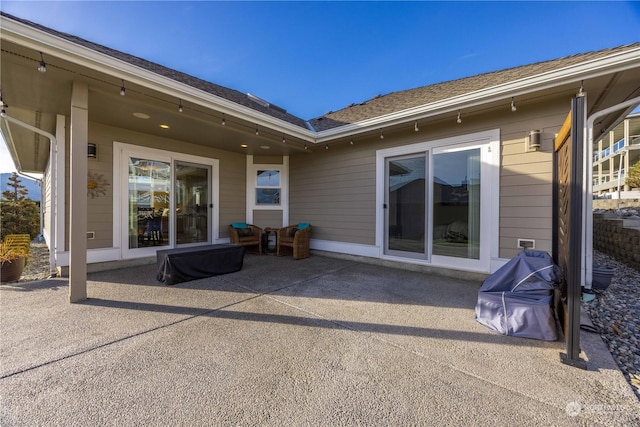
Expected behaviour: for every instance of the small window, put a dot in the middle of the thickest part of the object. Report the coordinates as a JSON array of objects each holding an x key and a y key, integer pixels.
[{"x": 268, "y": 187}]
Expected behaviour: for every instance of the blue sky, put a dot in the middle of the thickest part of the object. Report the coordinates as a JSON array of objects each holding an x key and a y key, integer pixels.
[{"x": 314, "y": 57}]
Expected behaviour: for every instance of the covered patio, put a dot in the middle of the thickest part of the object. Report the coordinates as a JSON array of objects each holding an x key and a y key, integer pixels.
[{"x": 321, "y": 341}]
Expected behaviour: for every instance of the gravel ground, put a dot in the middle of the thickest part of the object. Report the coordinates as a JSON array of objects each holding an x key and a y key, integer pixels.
[
  {"x": 37, "y": 267},
  {"x": 615, "y": 312}
]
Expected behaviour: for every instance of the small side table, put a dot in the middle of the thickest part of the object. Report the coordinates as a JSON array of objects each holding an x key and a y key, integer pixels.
[{"x": 266, "y": 248}]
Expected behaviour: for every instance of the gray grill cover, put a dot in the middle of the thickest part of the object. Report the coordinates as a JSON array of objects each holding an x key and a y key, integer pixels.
[{"x": 516, "y": 299}]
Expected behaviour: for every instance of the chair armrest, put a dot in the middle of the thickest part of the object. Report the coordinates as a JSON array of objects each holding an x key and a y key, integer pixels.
[
  {"x": 282, "y": 232},
  {"x": 257, "y": 231},
  {"x": 233, "y": 235},
  {"x": 302, "y": 236}
]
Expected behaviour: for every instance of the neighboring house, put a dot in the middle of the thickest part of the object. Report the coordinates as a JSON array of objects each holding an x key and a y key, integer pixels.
[
  {"x": 441, "y": 177},
  {"x": 614, "y": 154}
]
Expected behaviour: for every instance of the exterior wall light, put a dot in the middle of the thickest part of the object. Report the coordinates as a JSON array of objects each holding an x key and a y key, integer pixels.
[
  {"x": 92, "y": 151},
  {"x": 534, "y": 140}
]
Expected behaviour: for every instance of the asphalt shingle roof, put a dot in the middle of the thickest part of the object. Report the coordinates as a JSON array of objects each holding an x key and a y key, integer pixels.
[{"x": 402, "y": 100}]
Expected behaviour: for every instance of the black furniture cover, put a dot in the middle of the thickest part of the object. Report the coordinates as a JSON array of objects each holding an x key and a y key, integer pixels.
[
  {"x": 516, "y": 299},
  {"x": 184, "y": 264}
]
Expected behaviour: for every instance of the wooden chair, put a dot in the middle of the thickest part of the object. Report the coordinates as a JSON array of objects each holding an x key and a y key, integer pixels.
[
  {"x": 295, "y": 238},
  {"x": 251, "y": 235}
]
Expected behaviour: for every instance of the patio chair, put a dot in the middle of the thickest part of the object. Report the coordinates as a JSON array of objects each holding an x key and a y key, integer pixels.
[
  {"x": 297, "y": 237},
  {"x": 243, "y": 234}
]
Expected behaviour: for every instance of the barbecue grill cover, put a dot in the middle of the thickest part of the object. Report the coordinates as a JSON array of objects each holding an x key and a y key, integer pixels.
[{"x": 516, "y": 299}]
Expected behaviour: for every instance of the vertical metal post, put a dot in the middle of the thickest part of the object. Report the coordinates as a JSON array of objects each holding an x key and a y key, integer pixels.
[{"x": 574, "y": 291}]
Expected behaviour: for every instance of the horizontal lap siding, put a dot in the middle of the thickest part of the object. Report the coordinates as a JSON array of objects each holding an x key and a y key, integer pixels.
[
  {"x": 267, "y": 218},
  {"x": 232, "y": 186},
  {"x": 334, "y": 190},
  {"x": 526, "y": 204}
]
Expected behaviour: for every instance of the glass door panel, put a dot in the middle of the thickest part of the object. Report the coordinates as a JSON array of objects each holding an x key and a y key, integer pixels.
[
  {"x": 405, "y": 213},
  {"x": 149, "y": 199},
  {"x": 192, "y": 203},
  {"x": 456, "y": 204}
]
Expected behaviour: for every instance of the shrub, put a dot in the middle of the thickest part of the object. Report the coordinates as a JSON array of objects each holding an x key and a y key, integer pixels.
[
  {"x": 633, "y": 176},
  {"x": 19, "y": 215}
]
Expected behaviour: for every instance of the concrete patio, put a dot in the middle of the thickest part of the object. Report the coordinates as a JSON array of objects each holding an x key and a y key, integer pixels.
[{"x": 319, "y": 341}]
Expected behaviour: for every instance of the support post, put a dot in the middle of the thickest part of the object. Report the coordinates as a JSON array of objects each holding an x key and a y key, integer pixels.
[
  {"x": 574, "y": 267},
  {"x": 78, "y": 192}
]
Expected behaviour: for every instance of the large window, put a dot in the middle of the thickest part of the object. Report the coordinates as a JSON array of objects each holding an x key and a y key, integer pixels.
[{"x": 268, "y": 187}]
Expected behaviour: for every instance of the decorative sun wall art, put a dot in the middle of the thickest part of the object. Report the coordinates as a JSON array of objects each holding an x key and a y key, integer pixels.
[{"x": 96, "y": 185}]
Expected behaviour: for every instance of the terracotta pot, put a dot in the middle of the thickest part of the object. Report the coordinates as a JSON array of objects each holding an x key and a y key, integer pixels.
[{"x": 11, "y": 271}]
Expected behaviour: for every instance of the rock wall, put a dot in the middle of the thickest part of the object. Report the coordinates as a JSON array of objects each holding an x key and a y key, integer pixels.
[
  {"x": 615, "y": 203},
  {"x": 619, "y": 238}
]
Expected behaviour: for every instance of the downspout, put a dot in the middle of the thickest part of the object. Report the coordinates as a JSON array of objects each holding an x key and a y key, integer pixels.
[
  {"x": 53, "y": 149},
  {"x": 587, "y": 249}
]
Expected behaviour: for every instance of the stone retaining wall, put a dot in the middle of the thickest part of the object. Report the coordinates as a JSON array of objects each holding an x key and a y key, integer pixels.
[
  {"x": 615, "y": 203},
  {"x": 618, "y": 238}
]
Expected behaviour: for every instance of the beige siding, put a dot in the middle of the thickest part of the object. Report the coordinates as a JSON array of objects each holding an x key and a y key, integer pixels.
[
  {"x": 263, "y": 218},
  {"x": 335, "y": 189},
  {"x": 526, "y": 178},
  {"x": 233, "y": 175}
]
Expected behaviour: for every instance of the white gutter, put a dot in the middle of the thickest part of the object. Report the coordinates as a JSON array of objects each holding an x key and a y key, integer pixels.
[
  {"x": 54, "y": 143},
  {"x": 587, "y": 211}
]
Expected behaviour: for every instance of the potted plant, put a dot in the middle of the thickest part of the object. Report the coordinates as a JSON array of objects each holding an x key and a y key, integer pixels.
[{"x": 12, "y": 261}]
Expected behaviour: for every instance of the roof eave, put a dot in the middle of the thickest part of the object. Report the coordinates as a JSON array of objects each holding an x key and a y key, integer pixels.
[
  {"x": 39, "y": 40},
  {"x": 571, "y": 74}
]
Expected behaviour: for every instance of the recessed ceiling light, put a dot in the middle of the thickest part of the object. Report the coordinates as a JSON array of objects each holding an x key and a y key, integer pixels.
[
  {"x": 265, "y": 147},
  {"x": 141, "y": 115},
  {"x": 244, "y": 145},
  {"x": 163, "y": 126}
]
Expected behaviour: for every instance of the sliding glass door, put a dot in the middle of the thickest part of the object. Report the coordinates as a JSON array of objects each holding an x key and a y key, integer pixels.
[
  {"x": 148, "y": 201},
  {"x": 438, "y": 201},
  {"x": 166, "y": 200},
  {"x": 405, "y": 206},
  {"x": 456, "y": 203},
  {"x": 192, "y": 217}
]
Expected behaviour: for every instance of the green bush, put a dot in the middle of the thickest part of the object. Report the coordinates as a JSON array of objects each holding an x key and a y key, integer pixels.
[
  {"x": 633, "y": 176},
  {"x": 18, "y": 214}
]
